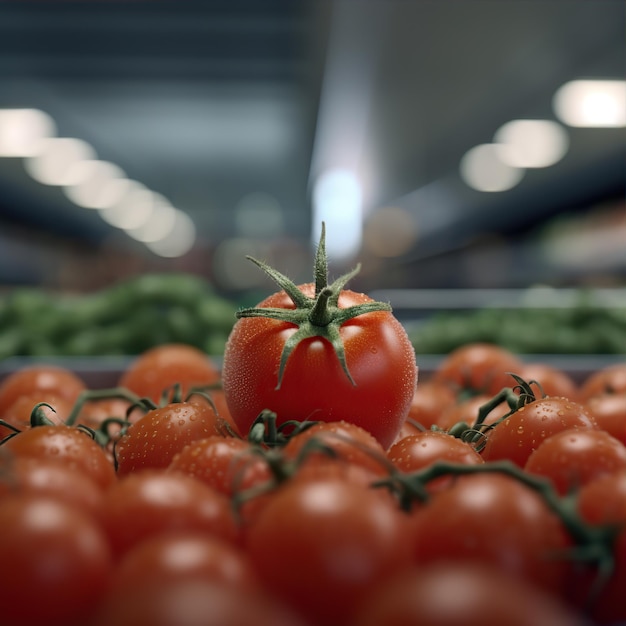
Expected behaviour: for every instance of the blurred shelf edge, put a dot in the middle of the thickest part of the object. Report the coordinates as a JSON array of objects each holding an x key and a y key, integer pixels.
[{"x": 104, "y": 371}]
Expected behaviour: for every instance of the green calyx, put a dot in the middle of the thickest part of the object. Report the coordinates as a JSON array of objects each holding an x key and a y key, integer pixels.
[{"x": 319, "y": 316}]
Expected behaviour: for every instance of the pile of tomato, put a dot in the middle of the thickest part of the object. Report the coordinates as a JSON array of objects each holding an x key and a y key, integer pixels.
[{"x": 311, "y": 480}]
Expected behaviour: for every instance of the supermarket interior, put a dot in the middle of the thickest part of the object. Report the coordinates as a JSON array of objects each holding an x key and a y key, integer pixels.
[{"x": 469, "y": 154}]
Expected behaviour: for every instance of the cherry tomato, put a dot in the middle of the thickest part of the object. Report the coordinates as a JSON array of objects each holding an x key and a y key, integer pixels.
[
  {"x": 467, "y": 594},
  {"x": 19, "y": 413},
  {"x": 572, "y": 458},
  {"x": 68, "y": 444},
  {"x": 609, "y": 411},
  {"x": 467, "y": 411},
  {"x": 149, "y": 502},
  {"x": 337, "y": 538},
  {"x": 43, "y": 380},
  {"x": 320, "y": 352},
  {"x": 154, "y": 439},
  {"x": 553, "y": 381},
  {"x": 429, "y": 402},
  {"x": 495, "y": 520},
  {"x": 478, "y": 367},
  {"x": 161, "y": 367},
  {"x": 524, "y": 430},
  {"x": 56, "y": 562},
  {"x": 610, "y": 379}
]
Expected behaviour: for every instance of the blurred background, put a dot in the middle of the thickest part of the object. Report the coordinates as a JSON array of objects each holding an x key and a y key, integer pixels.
[{"x": 466, "y": 152}]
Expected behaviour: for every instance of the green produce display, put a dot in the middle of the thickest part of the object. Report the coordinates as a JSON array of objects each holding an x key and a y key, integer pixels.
[
  {"x": 579, "y": 329},
  {"x": 124, "y": 319}
]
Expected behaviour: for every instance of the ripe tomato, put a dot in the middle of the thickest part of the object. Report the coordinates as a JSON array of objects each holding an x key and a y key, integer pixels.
[
  {"x": 451, "y": 594},
  {"x": 320, "y": 352},
  {"x": 522, "y": 432},
  {"x": 67, "y": 444},
  {"x": 149, "y": 502},
  {"x": 158, "y": 369},
  {"x": 430, "y": 400},
  {"x": 19, "y": 413},
  {"x": 572, "y": 458},
  {"x": 610, "y": 379},
  {"x": 54, "y": 551},
  {"x": 153, "y": 440},
  {"x": 467, "y": 411},
  {"x": 337, "y": 538},
  {"x": 553, "y": 381},
  {"x": 478, "y": 367},
  {"x": 609, "y": 411}
]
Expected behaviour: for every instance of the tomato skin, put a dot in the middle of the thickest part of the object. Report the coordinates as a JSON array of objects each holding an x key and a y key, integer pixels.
[
  {"x": 553, "y": 381},
  {"x": 159, "y": 368},
  {"x": 337, "y": 538},
  {"x": 455, "y": 594},
  {"x": 479, "y": 367},
  {"x": 379, "y": 356},
  {"x": 70, "y": 445},
  {"x": 56, "y": 562},
  {"x": 495, "y": 520},
  {"x": 429, "y": 402},
  {"x": 152, "y": 501},
  {"x": 518, "y": 435},
  {"x": 609, "y": 411},
  {"x": 467, "y": 411},
  {"x": 19, "y": 413},
  {"x": 572, "y": 458},
  {"x": 154, "y": 439},
  {"x": 610, "y": 379}
]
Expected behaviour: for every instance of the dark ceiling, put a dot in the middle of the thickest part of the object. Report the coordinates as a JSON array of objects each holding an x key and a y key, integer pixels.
[{"x": 208, "y": 101}]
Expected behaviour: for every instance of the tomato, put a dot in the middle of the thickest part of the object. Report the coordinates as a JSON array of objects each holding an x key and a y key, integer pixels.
[
  {"x": 429, "y": 402},
  {"x": 482, "y": 368},
  {"x": 602, "y": 502},
  {"x": 56, "y": 562},
  {"x": 153, "y": 440},
  {"x": 572, "y": 458},
  {"x": 347, "y": 441},
  {"x": 149, "y": 502},
  {"x": 19, "y": 413},
  {"x": 609, "y": 411},
  {"x": 68, "y": 444},
  {"x": 467, "y": 594},
  {"x": 610, "y": 379},
  {"x": 319, "y": 352},
  {"x": 171, "y": 556},
  {"x": 467, "y": 411},
  {"x": 158, "y": 369},
  {"x": 552, "y": 380},
  {"x": 226, "y": 464},
  {"x": 323, "y": 545},
  {"x": 49, "y": 477},
  {"x": 496, "y": 520},
  {"x": 192, "y": 602},
  {"x": 522, "y": 432}
]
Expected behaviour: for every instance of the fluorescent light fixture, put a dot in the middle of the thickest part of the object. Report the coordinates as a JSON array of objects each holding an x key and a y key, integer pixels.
[
  {"x": 95, "y": 184},
  {"x": 483, "y": 168},
  {"x": 22, "y": 130},
  {"x": 180, "y": 239},
  {"x": 133, "y": 210},
  {"x": 160, "y": 224},
  {"x": 53, "y": 163},
  {"x": 337, "y": 201},
  {"x": 532, "y": 143},
  {"x": 592, "y": 103}
]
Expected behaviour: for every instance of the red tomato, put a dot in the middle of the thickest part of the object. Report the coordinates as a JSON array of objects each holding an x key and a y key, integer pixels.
[
  {"x": 553, "y": 381},
  {"x": 495, "y": 520},
  {"x": 610, "y": 379},
  {"x": 171, "y": 556},
  {"x": 192, "y": 602},
  {"x": 50, "y": 477},
  {"x": 56, "y": 562},
  {"x": 572, "y": 458},
  {"x": 19, "y": 413},
  {"x": 149, "y": 502},
  {"x": 430, "y": 400},
  {"x": 323, "y": 353},
  {"x": 67, "y": 444},
  {"x": 609, "y": 411},
  {"x": 159, "y": 368},
  {"x": 153, "y": 440},
  {"x": 335, "y": 537},
  {"x": 479, "y": 367},
  {"x": 467, "y": 411},
  {"x": 43, "y": 380},
  {"x": 467, "y": 594},
  {"x": 226, "y": 464},
  {"x": 522, "y": 432}
]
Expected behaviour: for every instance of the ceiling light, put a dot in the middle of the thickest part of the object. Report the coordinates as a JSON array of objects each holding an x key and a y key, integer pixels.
[
  {"x": 53, "y": 163},
  {"x": 592, "y": 103},
  {"x": 483, "y": 168},
  {"x": 180, "y": 239},
  {"x": 133, "y": 210},
  {"x": 337, "y": 201},
  {"x": 92, "y": 188},
  {"x": 22, "y": 130},
  {"x": 532, "y": 143},
  {"x": 160, "y": 224}
]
